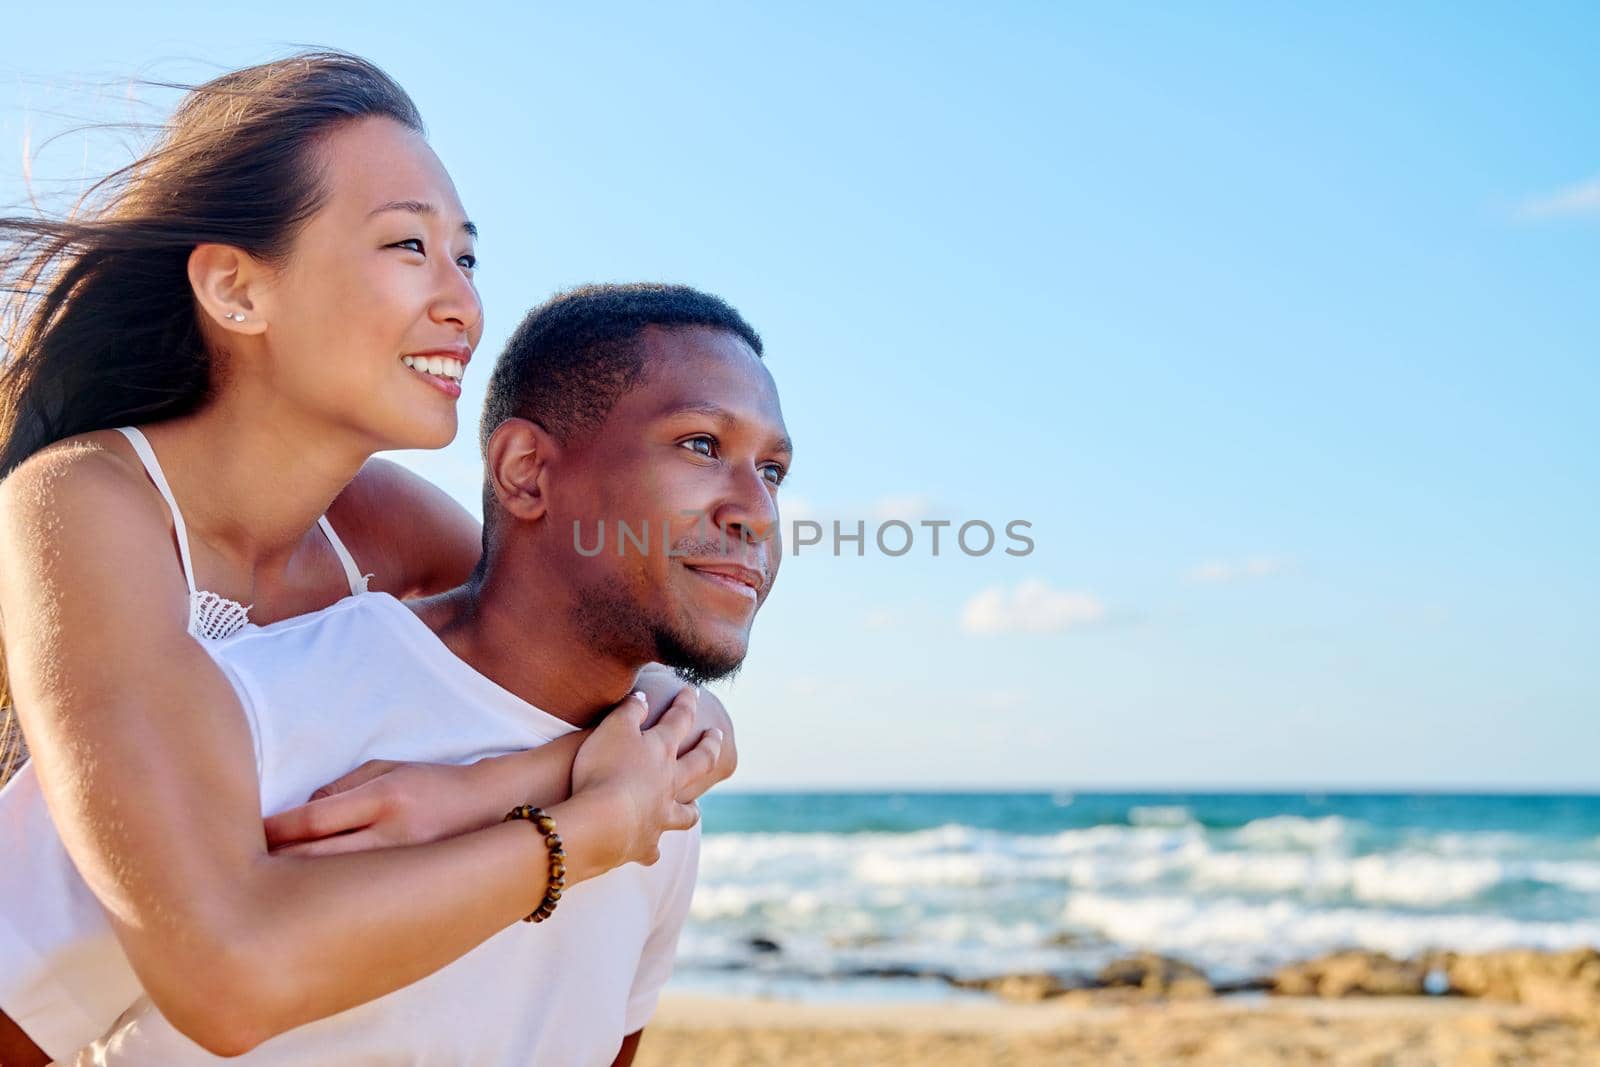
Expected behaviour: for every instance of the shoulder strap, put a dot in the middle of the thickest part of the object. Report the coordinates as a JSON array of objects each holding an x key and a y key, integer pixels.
[
  {"x": 152, "y": 467},
  {"x": 352, "y": 573}
]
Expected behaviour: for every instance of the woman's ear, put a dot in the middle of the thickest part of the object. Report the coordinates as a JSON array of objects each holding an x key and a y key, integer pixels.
[
  {"x": 517, "y": 461},
  {"x": 222, "y": 278}
]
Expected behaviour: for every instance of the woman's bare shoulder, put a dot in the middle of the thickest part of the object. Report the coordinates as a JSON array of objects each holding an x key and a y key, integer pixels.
[
  {"x": 93, "y": 470},
  {"x": 83, "y": 530},
  {"x": 412, "y": 535}
]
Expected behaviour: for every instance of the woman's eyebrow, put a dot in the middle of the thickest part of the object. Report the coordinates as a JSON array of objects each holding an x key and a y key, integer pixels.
[{"x": 417, "y": 207}]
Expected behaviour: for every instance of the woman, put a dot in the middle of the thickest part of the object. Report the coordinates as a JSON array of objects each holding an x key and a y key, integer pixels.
[{"x": 280, "y": 289}]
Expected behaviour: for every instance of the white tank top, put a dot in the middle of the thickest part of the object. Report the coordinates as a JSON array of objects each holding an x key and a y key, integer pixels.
[{"x": 213, "y": 616}]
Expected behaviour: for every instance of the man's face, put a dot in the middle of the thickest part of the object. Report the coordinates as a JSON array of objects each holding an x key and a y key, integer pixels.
[{"x": 683, "y": 477}]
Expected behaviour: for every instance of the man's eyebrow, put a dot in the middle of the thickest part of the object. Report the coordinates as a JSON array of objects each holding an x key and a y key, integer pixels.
[
  {"x": 417, "y": 207},
  {"x": 716, "y": 411}
]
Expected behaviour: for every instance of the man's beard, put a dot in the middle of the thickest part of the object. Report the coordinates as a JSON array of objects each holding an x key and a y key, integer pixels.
[
  {"x": 695, "y": 665},
  {"x": 613, "y": 622}
]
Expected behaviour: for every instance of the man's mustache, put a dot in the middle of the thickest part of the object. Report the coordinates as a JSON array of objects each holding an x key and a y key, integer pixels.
[{"x": 733, "y": 548}]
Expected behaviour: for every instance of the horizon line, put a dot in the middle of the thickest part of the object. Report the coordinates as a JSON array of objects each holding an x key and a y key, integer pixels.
[{"x": 1277, "y": 789}]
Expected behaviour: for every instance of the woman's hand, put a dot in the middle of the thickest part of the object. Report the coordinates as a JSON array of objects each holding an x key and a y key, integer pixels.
[
  {"x": 641, "y": 773},
  {"x": 662, "y": 685},
  {"x": 383, "y": 803}
]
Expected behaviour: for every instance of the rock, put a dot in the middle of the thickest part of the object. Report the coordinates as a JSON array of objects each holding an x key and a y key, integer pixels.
[
  {"x": 1566, "y": 983},
  {"x": 1157, "y": 976},
  {"x": 764, "y": 945},
  {"x": 1242, "y": 985},
  {"x": 1561, "y": 983},
  {"x": 897, "y": 971},
  {"x": 1353, "y": 973},
  {"x": 1028, "y": 987}
]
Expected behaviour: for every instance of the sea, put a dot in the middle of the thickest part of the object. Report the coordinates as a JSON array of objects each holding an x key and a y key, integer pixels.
[{"x": 887, "y": 895}]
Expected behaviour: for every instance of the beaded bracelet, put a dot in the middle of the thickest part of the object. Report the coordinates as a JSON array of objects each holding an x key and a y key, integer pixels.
[{"x": 558, "y": 858}]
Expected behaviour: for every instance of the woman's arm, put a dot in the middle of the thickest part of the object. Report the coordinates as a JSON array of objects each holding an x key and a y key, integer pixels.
[
  {"x": 384, "y": 803},
  {"x": 146, "y": 762}
]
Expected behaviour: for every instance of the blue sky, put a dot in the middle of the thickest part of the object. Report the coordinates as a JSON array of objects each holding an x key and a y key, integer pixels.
[{"x": 1278, "y": 325}]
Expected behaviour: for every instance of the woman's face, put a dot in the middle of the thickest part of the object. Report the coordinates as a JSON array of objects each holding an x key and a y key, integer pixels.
[{"x": 374, "y": 314}]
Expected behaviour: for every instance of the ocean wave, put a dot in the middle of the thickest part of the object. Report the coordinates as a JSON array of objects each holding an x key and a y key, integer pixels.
[
  {"x": 1583, "y": 877},
  {"x": 1138, "y": 857},
  {"x": 1282, "y": 831},
  {"x": 1160, "y": 815},
  {"x": 1234, "y": 886},
  {"x": 1240, "y": 935},
  {"x": 1380, "y": 879},
  {"x": 1499, "y": 844}
]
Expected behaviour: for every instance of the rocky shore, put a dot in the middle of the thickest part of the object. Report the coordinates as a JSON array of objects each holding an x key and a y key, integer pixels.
[
  {"x": 1347, "y": 1009},
  {"x": 1565, "y": 983}
]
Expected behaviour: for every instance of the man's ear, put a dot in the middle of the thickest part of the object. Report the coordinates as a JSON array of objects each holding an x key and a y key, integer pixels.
[
  {"x": 226, "y": 281},
  {"x": 517, "y": 461}
]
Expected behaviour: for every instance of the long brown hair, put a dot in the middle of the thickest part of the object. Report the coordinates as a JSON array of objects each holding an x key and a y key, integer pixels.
[{"x": 97, "y": 317}]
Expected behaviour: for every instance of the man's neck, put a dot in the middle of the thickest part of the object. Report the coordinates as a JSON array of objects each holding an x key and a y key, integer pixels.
[{"x": 522, "y": 639}]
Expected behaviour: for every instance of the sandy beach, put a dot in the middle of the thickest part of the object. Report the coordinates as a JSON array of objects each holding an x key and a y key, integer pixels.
[{"x": 692, "y": 1031}]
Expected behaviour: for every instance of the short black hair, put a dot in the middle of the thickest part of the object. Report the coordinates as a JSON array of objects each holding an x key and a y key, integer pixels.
[{"x": 576, "y": 354}]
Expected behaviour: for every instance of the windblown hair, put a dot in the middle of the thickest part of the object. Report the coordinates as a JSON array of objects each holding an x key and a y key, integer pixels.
[{"x": 98, "y": 321}]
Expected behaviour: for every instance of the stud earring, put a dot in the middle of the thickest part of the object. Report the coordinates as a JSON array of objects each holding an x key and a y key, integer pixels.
[{"x": 235, "y": 316}]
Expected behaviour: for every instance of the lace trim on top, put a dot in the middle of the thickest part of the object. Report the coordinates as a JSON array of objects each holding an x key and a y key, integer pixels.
[{"x": 213, "y": 617}]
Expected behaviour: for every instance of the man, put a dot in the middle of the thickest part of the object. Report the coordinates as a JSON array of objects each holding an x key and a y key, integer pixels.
[{"x": 642, "y": 415}]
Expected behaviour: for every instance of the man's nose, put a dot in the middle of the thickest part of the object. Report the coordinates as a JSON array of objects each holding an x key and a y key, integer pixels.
[{"x": 749, "y": 509}]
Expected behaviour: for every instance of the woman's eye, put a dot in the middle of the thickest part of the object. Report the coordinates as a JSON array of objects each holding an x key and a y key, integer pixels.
[
  {"x": 468, "y": 262},
  {"x": 408, "y": 242},
  {"x": 694, "y": 443}
]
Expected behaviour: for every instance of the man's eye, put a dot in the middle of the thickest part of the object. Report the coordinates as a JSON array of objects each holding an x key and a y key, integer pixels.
[
  {"x": 694, "y": 443},
  {"x": 774, "y": 473}
]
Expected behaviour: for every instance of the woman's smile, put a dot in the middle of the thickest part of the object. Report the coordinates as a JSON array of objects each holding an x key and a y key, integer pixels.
[{"x": 443, "y": 372}]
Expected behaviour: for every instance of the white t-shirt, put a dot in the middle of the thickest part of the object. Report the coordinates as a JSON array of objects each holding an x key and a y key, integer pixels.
[{"x": 360, "y": 680}]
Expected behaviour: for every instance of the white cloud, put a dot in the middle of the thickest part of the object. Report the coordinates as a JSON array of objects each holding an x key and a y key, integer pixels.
[
  {"x": 1032, "y": 607},
  {"x": 1571, "y": 202},
  {"x": 1218, "y": 572}
]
